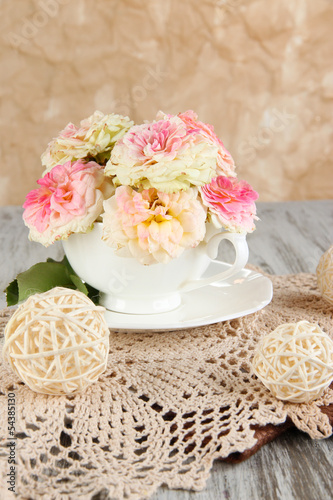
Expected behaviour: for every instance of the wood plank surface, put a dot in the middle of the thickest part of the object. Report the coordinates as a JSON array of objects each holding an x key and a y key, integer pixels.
[{"x": 290, "y": 238}]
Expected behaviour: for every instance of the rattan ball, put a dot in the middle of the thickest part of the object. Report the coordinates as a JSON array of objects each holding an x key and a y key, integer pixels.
[
  {"x": 57, "y": 342},
  {"x": 295, "y": 362},
  {"x": 325, "y": 275}
]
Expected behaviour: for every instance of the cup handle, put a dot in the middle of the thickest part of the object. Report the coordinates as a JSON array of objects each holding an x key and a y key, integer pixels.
[{"x": 242, "y": 255}]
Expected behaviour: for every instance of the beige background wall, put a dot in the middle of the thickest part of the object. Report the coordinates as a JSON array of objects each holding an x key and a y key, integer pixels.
[{"x": 260, "y": 71}]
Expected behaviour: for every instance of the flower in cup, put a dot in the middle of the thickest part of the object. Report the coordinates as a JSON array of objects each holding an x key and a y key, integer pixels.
[
  {"x": 151, "y": 225},
  {"x": 230, "y": 203},
  {"x": 225, "y": 163},
  {"x": 69, "y": 200},
  {"x": 164, "y": 155},
  {"x": 94, "y": 139}
]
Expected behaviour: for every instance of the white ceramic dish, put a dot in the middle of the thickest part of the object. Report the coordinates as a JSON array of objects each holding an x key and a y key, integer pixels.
[
  {"x": 128, "y": 287},
  {"x": 243, "y": 294}
]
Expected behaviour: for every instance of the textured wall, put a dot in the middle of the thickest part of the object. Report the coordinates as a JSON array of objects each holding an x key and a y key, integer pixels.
[{"x": 261, "y": 72}]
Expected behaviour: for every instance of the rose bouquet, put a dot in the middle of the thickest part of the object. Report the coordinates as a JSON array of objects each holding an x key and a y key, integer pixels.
[{"x": 154, "y": 187}]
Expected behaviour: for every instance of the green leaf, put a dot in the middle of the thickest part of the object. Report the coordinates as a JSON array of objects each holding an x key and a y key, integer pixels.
[
  {"x": 93, "y": 294},
  {"x": 46, "y": 275},
  {"x": 79, "y": 283},
  {"x": 12, "y": 293},
  {"x": 102, "y": 158},
  {"x": 64, "y": 262},
  {"x": 41, "y": 278}
]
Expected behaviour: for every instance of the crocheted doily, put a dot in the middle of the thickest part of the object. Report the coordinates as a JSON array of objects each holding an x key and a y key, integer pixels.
[{"x": 168, "y": 405}]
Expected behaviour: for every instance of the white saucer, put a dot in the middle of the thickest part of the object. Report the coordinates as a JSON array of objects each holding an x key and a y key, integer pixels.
[{"x": 245, "y": 293}]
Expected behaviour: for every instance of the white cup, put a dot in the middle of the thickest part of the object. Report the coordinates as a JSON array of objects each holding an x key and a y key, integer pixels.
[{"x": 127, "y": 286}]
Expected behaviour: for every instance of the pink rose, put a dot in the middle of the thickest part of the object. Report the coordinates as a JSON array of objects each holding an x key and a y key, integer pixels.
[
  {"x": 230, "y": 203},
  {"x": 150, "y": 142},
  {"x": 95, "y": 139},
  {"x": 68, "y": 200},
  {"x": 153, "y": 226},
  {"x": 225, "y": 163},
  {"x": 163, "y": 155}
]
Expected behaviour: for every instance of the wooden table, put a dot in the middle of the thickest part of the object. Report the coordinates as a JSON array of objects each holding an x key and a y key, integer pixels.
[{"x": 290, "y": 238}]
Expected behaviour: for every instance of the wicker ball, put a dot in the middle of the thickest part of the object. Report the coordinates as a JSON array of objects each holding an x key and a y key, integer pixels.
[
  {"x": 57, "y": 342},
  {"x": 295, "y": 362},
  {"x": 325, "y": 275}
]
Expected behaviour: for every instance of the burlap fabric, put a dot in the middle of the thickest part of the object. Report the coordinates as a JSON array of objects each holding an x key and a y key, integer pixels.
[{"x": 168, "y": 405}]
